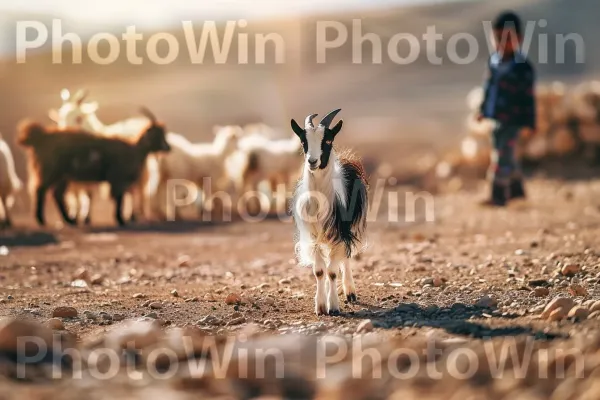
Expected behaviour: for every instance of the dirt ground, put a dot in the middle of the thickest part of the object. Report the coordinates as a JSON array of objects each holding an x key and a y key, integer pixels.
[{"x": 471, "y": 273}]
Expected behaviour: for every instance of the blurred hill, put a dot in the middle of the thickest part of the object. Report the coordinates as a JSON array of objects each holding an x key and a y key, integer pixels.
[{"x": 395, "y": 112}]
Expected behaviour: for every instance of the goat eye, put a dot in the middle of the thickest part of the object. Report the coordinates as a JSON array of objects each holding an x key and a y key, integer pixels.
[{"x": 328, "y": 142}]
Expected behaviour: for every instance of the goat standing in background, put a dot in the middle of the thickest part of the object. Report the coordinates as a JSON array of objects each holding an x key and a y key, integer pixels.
[
  {"x": 330, "y": 211},
  {"x": 60, "y": 156},
  {"x": 10, "y": 183}
]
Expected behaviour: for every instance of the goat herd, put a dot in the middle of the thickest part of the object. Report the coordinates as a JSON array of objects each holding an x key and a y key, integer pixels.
[{"x": 138, "y": 157}]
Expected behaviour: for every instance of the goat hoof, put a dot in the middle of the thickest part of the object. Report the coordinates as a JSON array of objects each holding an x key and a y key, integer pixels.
[
  {"x": 334, "y": 313},
  {"x": 321, "y": 310},
  {"x": 351, "y": 298}
]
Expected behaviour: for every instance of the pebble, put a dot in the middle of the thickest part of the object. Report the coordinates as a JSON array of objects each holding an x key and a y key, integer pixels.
[
  {"x": 564, "y": 303},
  {"x": 285, "y": 281},
  {"x": 557, "y": 314},
  {"x": 577, "y": 290},
  {"x": 174, "y": 293},
  {"x": 263, "y": 286},
  {"x": 139, "y": 296},
  {"x": 64, "y": 312},
  {"x": 118, "y": 317},
  {"x": 236, "y": 321},
  {"x": 569, "y": 269},
  {"x": 541, "y": 291},
  {"x": 55, "y": 324},
  {"x": 90, "y": 315},
  {"x": 538, "y": 282},
  {"x": 365, "y": 326},
  {"x": 97, "y": 279},
  {"x": 184, "y": 261},
  {"x": 487, "y": 301},
  {"x": 579, "y": 313},
  {"x": 156, "y": 305},
  {"x": 9, "y": 297},
  {"x": 233, "y": 298}
]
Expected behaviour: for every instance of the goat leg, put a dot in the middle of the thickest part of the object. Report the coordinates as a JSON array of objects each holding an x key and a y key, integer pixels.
[
  {"x": 59, "y": 196},
  {"x": 39, "y": 204},
  {"x": 118, "y": 197}
]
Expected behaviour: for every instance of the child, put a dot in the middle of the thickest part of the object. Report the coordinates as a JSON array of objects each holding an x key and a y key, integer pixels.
[{"x": 510, "y": 101}]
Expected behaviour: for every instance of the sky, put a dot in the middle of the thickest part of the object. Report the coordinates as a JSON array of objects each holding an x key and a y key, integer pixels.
[{"x": 157, "y": 13}]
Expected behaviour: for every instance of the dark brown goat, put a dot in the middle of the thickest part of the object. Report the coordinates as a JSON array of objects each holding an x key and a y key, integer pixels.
[{"x": 59, "y": 156}]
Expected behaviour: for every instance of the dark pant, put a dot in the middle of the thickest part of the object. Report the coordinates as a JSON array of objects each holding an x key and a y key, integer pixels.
[{"x": 505, "y": 169}]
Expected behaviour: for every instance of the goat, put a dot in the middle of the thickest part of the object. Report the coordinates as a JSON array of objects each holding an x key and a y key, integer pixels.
[
  {"x": 200, "y": 163},
  {"x": 329, "y": 209},
  {"x": 262, "y": 159},
  {"x": 10, "y": 184},
  {"x": 76, "y": 113},
  {"x": 60, "y": 156}
]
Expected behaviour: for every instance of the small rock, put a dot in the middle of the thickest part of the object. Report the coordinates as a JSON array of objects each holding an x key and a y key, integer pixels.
[
  {"x": 97, "y": 279},
  {"x": 595, "y": 307},
  {"x": 106, "y": 316},
  {"x": 557, "y": 314},
  {"x": 269, "y": 301},
  {"x": 569, "y": 269},
  {"x": 82, "y": 274},
  {"x": 55, "y": 324},
  {"x": 365, "y": 326},
  {"x": 64, "y": 312},
  {"x": 146, "y": 303},
  {"x": 118, "y": 317},
  {"x": 90, "y": 315},
  {"x": 174, "y": 293},
  {"x": 236, "y": 321},
  {"x": 487, "y": 302},
  {"x": 565, "y": 303},
  {"x": 285, "y": 281},
  {"x": 577, "y": 290},
  {"x": 427, "y": 281},
  {"x": 437, "y": 282},
  {"x": 191, "y": 299},
  {"x": 579, "y": 313},
  {"x": 152, "y": 315},
  {"x": 9, "y": 297},
  {"x": 139, "y": 296},
  {"x": 233, "y": 298},
  {"x": 184, "y": 261},
  {"x": 263, "y": 286},
  {"x": 541, "y": 291},
  {"x": 538, "y": 282},
  {"x": 156, "y": 305}
]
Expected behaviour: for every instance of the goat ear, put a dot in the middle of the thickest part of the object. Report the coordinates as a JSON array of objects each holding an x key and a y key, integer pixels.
[
  {"x": 337, "y": 127},
  {"x": 297, "y": 130},
  {"x": 53, "y": 115},
  {"x": 65, "y": 95},
  {"x": 89, "y": 108}
]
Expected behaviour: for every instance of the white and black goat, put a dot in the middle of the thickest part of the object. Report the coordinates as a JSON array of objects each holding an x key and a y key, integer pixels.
[{"x": 329, "y": 209}]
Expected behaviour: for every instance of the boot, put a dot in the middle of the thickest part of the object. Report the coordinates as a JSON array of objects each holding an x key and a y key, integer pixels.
[{"x": 517, "y": 191}]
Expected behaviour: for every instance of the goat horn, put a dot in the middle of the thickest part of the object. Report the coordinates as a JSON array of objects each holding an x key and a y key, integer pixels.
[
  {"x": 148, "y": 114},
  {"x": 308, "y": 123},
  {"x": 326, "y": 121}
]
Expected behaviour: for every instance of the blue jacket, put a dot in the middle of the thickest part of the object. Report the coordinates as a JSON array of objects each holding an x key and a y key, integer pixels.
[{"x": 510, "y": 92}]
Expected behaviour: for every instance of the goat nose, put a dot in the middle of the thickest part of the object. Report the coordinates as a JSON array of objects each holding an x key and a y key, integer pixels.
[{"x": 312, "y": 161}]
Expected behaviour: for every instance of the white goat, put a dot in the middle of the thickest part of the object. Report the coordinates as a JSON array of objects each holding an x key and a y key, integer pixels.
[
  {"x": 75, "y": 113},
  {"x": 261, "y": 159},
  {"x": 203, "y": 164},
  {"x": 10, "y": 184},
  {"x": 329, "y": 209}
]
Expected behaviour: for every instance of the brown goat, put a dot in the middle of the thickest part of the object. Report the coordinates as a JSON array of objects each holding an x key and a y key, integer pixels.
[{"x": 59, "y": 156}]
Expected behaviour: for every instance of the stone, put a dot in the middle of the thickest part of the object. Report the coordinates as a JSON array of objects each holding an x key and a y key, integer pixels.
[
  {"x": 578, "y": 313},
  {"x": 156, "y": 305},
  {"x": 233, "y": 298},
  {"x": 55, "y": 324},
  {"x": 64, "y": 312},
  {"x": 565, "y": 303},
  {"x": 139, "y": 296},
  {"x": 487, "y": 302},
  {"x": 541, "y": 291},
  {"x": 569, "y": 269},
  {"x": 577, "y": 290},
  {"x": 365, "y": 326}
]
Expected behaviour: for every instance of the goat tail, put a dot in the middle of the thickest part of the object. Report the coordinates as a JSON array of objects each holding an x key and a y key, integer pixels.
[{"x": 30, "y": 133}]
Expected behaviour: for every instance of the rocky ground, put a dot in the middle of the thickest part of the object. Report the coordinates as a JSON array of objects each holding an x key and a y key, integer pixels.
[{"x": 474, "y": 281}]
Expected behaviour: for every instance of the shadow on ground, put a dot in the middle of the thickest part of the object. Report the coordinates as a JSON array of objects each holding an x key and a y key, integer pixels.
[
  {"x": 458, "y": 319},
  {"x": 27, "y": 239}
]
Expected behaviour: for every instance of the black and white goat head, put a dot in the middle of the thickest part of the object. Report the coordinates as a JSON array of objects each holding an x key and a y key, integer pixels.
[{"x": 329, "y": 209}]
